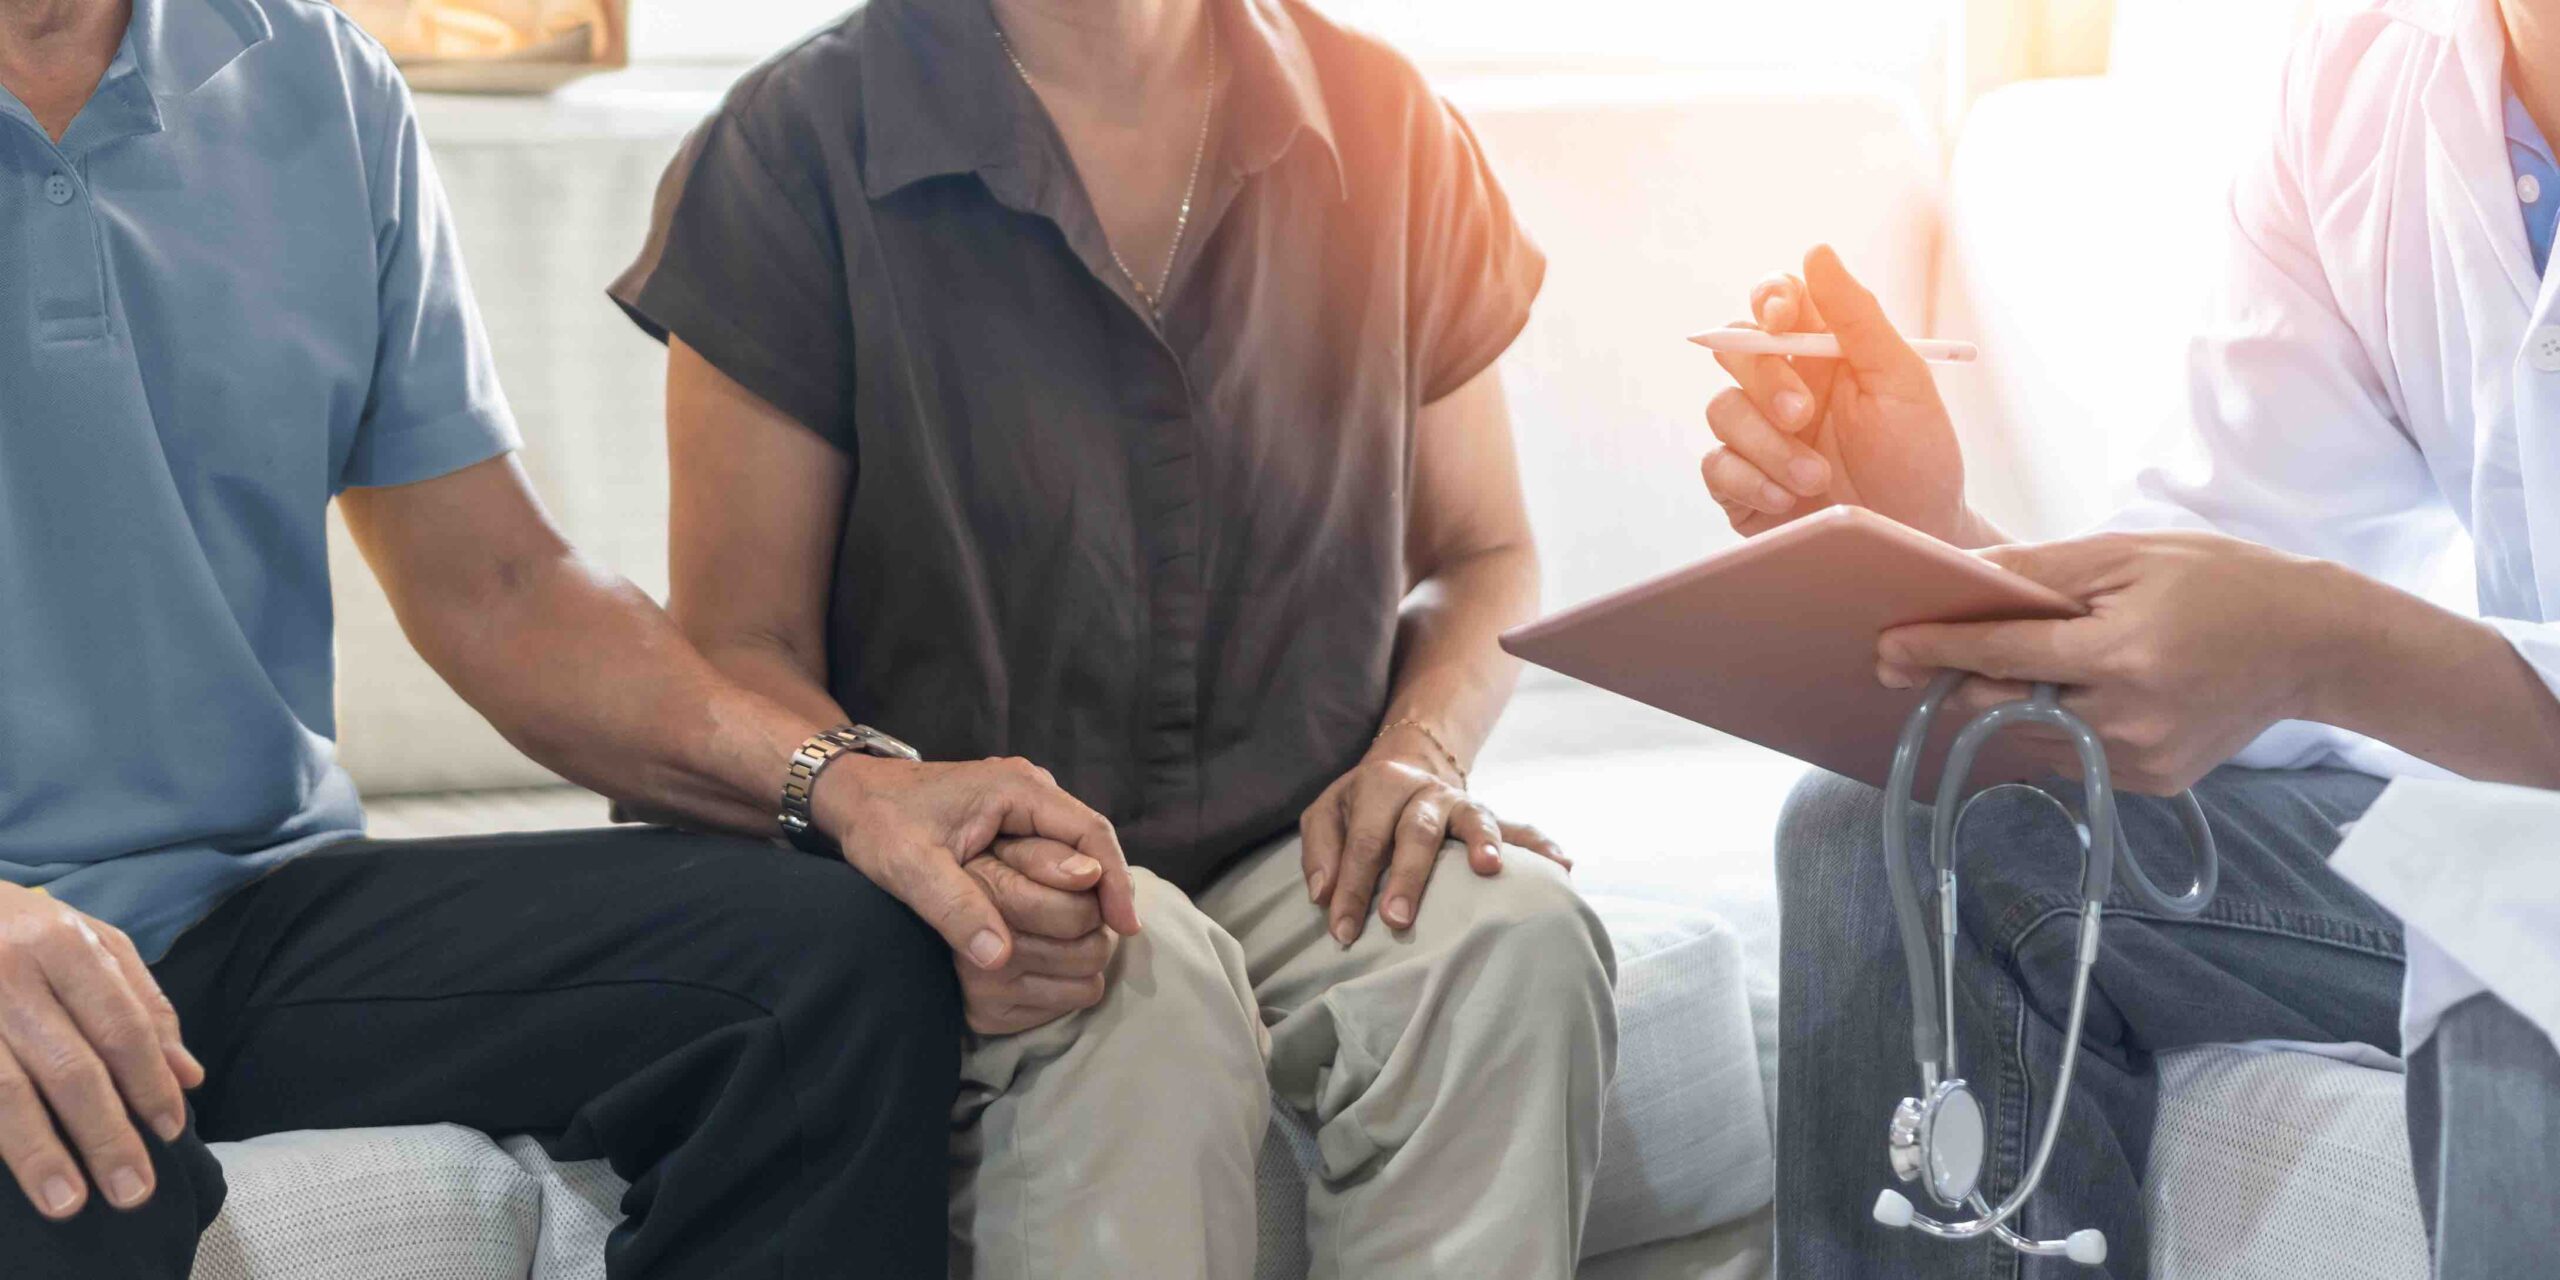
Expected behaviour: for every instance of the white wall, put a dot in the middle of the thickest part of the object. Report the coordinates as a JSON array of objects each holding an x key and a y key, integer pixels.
[
  {"x": 1901, "y": 40},
  {"x": 1660, "y": 201}
]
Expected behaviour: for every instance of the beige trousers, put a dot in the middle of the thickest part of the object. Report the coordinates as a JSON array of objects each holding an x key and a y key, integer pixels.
[{"x": 1453, "y": 1074}]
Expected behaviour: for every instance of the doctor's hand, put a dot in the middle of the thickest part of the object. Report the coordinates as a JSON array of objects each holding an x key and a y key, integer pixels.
[
  {"x": 1047, "y": 893},
  {"x": 89, "y": 1048},
  {"x": 2193, "y": 645},
  {"x": 1377, "y": 832},
  {"x": 1869, "y": 429}
]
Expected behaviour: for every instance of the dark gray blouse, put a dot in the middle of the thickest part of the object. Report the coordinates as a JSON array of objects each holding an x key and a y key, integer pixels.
[{"x": 1162, "y": 559}]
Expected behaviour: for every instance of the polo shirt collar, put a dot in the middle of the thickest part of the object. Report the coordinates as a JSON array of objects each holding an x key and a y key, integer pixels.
[
  {"x": 939, "y": 96},
  {"x": 180, "y": 44}
]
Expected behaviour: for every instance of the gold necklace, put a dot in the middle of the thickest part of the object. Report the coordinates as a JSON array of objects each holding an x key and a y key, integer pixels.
[{"x": 1199, "y": 151}]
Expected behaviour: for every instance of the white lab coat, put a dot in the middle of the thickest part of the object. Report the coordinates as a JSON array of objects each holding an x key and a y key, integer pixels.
[
  {"x": 2469, "y": 931},
  {"x": 2380, "y": 373}
]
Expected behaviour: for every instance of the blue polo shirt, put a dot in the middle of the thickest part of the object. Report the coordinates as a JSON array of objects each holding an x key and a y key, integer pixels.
[{"x": 231, "y": 290}]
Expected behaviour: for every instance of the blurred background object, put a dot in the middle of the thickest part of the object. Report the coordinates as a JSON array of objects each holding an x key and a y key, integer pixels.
[{"x": 497, "y": 46}]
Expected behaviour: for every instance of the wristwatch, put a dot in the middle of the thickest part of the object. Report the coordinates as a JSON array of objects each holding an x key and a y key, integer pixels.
[{"x": 812, "y": 759}]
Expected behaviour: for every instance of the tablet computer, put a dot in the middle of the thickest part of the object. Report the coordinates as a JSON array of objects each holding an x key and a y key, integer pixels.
[{"x": 1774, "y": 640}]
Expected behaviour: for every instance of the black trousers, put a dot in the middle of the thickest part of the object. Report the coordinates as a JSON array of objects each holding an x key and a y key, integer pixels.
[{"x": 765, "y": 1044}]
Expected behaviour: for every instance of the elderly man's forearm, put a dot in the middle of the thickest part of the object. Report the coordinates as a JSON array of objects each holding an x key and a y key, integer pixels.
[{"x": 584, "y": 672}]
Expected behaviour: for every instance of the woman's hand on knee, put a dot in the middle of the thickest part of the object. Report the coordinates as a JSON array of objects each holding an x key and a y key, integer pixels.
[{"x": 1377, "y": 832}]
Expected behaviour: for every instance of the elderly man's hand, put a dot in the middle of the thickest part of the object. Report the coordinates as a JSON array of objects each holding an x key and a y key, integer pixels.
[{"x": 88, "y": 1044}]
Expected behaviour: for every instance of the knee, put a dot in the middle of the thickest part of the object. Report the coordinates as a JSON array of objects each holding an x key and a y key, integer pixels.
[
  {"x": 1541, "y": 946},
  {"x": 157, "y": 1238},
  {"x": 2018, "y": 851},
  {"x": 1183, "y": 975},
  {"x": 1828, "y": 835},
  {"x": 2014, "y": 842},
  {"x": 1178, "y": 1018}
]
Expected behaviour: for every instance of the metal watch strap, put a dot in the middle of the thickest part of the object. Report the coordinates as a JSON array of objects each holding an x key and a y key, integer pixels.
[{"x": 801, "y": 781}]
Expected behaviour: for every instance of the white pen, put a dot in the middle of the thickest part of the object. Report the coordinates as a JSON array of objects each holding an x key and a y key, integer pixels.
[{"x": 1752, "y": 342}]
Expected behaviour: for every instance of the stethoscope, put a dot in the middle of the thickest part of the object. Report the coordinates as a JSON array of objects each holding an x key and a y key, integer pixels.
[{"x": 1938, "y": 1139}]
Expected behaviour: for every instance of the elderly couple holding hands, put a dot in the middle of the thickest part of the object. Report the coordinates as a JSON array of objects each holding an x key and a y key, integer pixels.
[{"x": 1094, "y": 511}]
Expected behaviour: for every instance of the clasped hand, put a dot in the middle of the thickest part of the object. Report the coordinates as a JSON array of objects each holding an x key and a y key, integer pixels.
[{"x": 1025, "y": 882}]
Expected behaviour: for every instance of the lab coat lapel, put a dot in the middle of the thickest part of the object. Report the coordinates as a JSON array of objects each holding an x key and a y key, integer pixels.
[
  {"x": 2487, "y": 290},
  {"x": 2464, "y": 104},
  {"x": 2537, "y": 460},
  {"x": 2517, "y": 468}
]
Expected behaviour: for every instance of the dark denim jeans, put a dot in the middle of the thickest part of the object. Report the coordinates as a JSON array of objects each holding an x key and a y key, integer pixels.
[
  {"x": 2287, "y": 951},
  {"x": 2484, "y": 1132}
]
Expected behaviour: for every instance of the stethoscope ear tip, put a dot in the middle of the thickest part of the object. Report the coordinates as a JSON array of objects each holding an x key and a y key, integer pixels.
[
  {"x": 2087, "y": 1246},
  {"x": 1894, "y": 1210}
]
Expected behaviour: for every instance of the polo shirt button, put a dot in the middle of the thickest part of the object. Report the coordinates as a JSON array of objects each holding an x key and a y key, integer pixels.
[
  {"x": 2528, "y": 188},
  {"x": 58, "y": 189},
  {"x": 2543, "y": 348}
]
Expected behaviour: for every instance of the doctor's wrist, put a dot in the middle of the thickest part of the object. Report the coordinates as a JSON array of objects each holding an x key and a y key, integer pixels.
[{"x": 2355, "y": 635}]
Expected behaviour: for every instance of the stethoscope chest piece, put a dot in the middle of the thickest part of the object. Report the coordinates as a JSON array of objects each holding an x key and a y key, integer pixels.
[{"x": 1937, "y": 1141}]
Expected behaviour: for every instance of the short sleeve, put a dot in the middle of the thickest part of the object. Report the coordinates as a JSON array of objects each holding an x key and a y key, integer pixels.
[
  {"x": 742, "y": 262},
  {"x": 1474, "y": 273},
  {"x": 434, "y": 406}
]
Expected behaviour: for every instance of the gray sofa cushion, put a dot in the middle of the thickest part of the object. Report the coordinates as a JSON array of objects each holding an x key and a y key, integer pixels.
[
  {"x": 581, "y": 1202},
  {"x": 1687, "y": 1141},
  {"x": 436, "y": 1202},
  {"x": 2270, "y": 1165}
]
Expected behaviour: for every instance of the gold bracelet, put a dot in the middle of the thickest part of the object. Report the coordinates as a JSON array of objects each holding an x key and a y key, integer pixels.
[{"x": 1430, "y": 735}]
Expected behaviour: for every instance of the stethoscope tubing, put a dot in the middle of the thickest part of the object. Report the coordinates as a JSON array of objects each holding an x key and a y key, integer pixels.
[{"x": 2101, "y": 835}]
